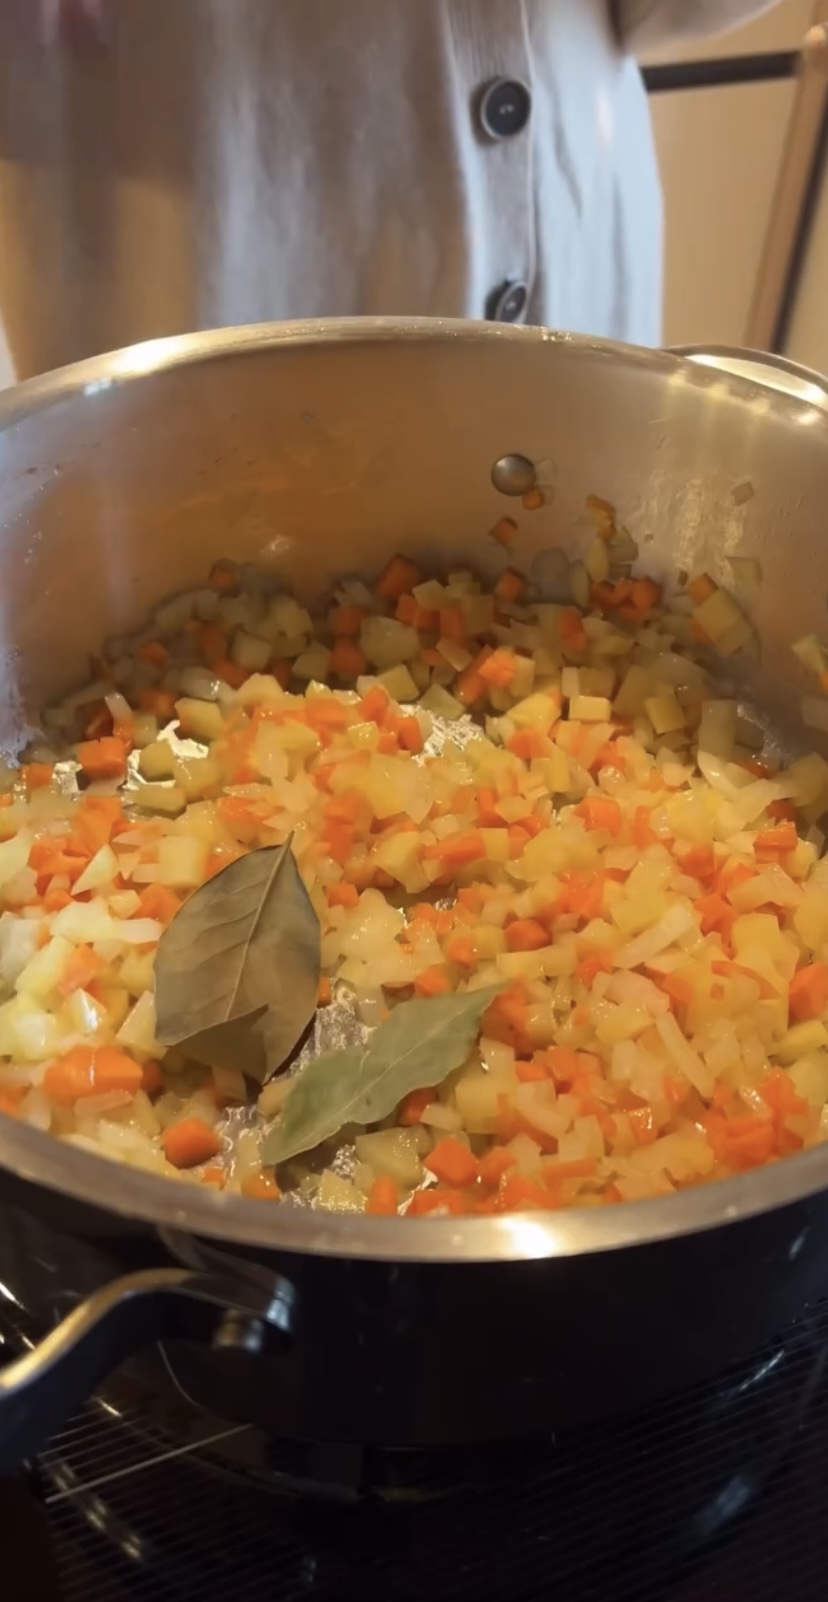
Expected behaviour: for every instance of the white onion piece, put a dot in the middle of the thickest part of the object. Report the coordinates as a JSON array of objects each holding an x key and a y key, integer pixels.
[
  {"x": 198, "y": 683},
  {"x": 678, "y": 920},
  {"x": 119, "y": 707},
  {"x": 684, "y": 1056},
  {"x": 814, "y": 710}
]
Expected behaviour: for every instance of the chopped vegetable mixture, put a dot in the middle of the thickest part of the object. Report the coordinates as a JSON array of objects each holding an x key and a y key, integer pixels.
[{"x": 483, "y": 789}]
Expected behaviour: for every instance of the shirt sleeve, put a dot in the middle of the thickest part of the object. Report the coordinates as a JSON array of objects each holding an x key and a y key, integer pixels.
[{"x": 645, "y": 23}]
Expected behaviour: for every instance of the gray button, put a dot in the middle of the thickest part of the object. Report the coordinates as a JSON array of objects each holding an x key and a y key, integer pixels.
[
  {"x": 504, "y": 108},
  {"x": 508, "y": 303}
]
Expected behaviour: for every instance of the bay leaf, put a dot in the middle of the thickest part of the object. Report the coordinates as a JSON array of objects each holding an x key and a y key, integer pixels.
[
  {"x": 418, "y": 1045},
  {"x": 237, "y": 969}
]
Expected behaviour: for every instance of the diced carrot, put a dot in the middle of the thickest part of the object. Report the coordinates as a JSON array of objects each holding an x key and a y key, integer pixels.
[
  {"x": 397, "y": 576},
  {"x": 231, "y": 673},
  {"x": 574, "y": 1168},
  {"x": 732, "y": 876},
  {"x": 504, "y": 531},
  {"x": 516, "y": 1191},
  {"x": 499, "y": 669},
  {"x": 223, "y": 577},
  {"x": 342, "y": 894},
  {"x": 808, "y": 992},
  {"x": 325, "y": 712},
  {"x": 324, "y": 993},
  {"x": 583, "y": 893},
  {"x": 409, "y": 610},
  {"x": 699, "y": 862},
  {"x": 11, "y": 1097},
  {"x": 409, "y": 734},
  {"x": 86, "y": 1071},
  {"x": 677, "y": 987},
  {"x": 103, "y": 759},
  {"x": 701, "y": 588},
  {"x": 758, "y": 767},
  {"x": 37, "y": 775},
  {"x": 114, "y": 1070},
  {"x": 452, "y": 1163},
  {"x": 532, "y": 500},
  {"x": 528, "y": 743},
  {"x": 221, "y": 857},
  {"x": 56, "y": 900},
  {"x": 487, "y": 815},
  {"x": 593, "y": 963},
  {"x": 214, "y": 1175},
  {"x": 782, "y": 837},
  {"x": 456, "y": 850},
  {"x": 494, "y": 1164},
  {"x": 258, "y": 1187},
  {"x": 81, "y": 968},
  {"x": 374, "y": 705},
  {"x": 432, "y": 981},
  {"x": 778, "y": 1091},
  {"x": 643, "y": 1125},
  {"x": 382, "y": 1197},
  {"x": 642, "y": 831},
  {"x": 602, "y": 595},
  {"x": 349, "y": 806},
  {"x": 460, "y": 950},
  {"x": 510, "y": 586},
  {"x": 452, "y": 625},
  {"x": 51, "y": 858},
  {"x": 530, "y": 1073},
  {"x": 159, "y": 702},
  {"x": 734, "y": 970},
  {"x": 518, "y": 840},
  {"x": 212, "y": 643},
  {"x": 470, "y": 685},
  {"x": 189, "y": 1143},
  {"x": 645, "y": 594},
  {"x": 526, "y": 934},
  {"x": 406, "y": 610},
  {"x": 346, "y": 621},
  {"x": 563, "y": 1064},
  {"x": 152, "y": 1079},
  {"x": 348, "y": 660},
  {"x": 282, "y": 672},
  {"x": 601, "y": 812},
  {"x": 96, "y": 820},
  {"x": 158, "y": 901},
  {"x": 571, "y": 625},
  {"x": 153, "y": 652},
  {"x": 433, "y": 1201},
  {"x": 95, "y": 720},
  {"x": 781, "y": 811},
  {"x": 714, "y": 913},
  {"x": 609, "y": 756},
  {"x": 412, "y": 1106}
]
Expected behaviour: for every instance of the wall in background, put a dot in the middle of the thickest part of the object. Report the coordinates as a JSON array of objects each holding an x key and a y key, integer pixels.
[{"x": 724, "y": 154}]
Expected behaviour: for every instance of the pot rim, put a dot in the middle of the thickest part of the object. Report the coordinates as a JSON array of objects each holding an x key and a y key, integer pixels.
[{"x": 40, "y": 1159}]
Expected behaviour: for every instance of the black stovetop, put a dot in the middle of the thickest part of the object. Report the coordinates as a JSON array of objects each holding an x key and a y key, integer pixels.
[{"x": 720, "y": 1493}]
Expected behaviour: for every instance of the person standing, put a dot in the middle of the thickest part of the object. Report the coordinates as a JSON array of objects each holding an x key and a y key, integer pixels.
[{"x": 169, "y": 165}]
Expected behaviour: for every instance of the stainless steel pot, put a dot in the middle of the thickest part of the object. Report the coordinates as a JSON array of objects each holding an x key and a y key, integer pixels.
[{"x": 310, "y": 450}]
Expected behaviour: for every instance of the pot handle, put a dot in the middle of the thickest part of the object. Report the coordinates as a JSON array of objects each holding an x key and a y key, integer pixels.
[
  {"x": 761, "y": 367},
  {"x": 43, "y": 1388}
]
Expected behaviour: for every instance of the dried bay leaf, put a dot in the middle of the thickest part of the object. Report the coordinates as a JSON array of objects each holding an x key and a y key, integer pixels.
[
  {"x": 237, "y": 970},
  {"x": 418, "y": 1045}
]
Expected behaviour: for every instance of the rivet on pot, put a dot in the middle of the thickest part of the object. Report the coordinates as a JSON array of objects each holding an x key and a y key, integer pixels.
[{"x": 513, "y": 475}]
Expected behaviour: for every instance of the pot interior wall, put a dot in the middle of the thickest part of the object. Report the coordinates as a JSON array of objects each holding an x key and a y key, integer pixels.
[{"x": 316, "y": 450}]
